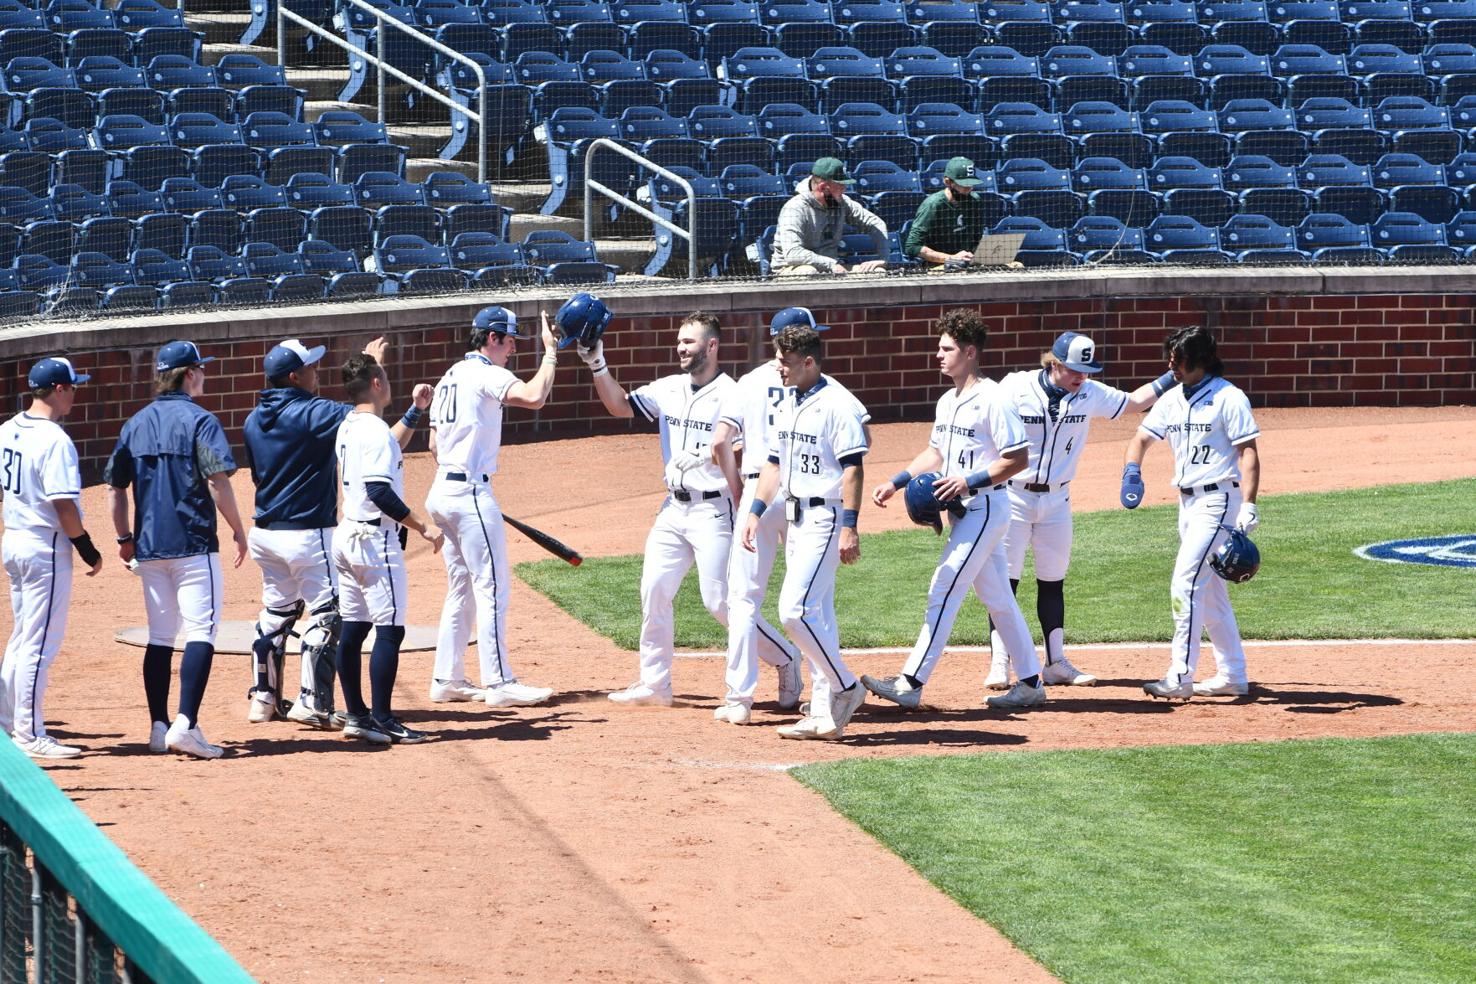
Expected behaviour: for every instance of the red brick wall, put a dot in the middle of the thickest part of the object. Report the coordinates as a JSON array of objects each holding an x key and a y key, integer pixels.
[{"x": 1299, "y": 350}]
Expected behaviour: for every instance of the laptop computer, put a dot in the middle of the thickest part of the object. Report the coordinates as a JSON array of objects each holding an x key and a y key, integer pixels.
[{"x": 997, "y": 249}]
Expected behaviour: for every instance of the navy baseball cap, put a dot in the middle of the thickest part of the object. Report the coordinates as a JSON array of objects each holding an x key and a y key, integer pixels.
[
  {"x": 290, "y": 356},
  {"x": 499, "y": 320},
  {"x": 52, "y": 371},
  {"x": 1076, "y": 352},
  {"x": 794, "y": 316},
  {"x": 179, "y": 355}
]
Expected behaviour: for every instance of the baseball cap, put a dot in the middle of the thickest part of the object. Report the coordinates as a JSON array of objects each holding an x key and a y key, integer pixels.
[
  {"x": 499, "y": 320},
  {"x": 794, "y": 316},
  {"x": 290, "y": 356},
  {"x": 960, "y": 171},
  {"x": 51, "y": 371},
  {"x": 1076, "y": 352},
  {"x": 831, "y": 169},
  {"x": 178, "y": 355}
]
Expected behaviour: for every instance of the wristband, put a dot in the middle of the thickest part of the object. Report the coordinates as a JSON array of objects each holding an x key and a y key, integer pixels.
[
  {"x": 979, "y": 480},
  {"x": 1163, "y": 384},
  {"x": 86, "y": 550},
  {"x": 901, "y": 479},
  {"x": 125, "y": 538},
  {"x": 412, "y": 416},
  {"x": 550, "y": 359},
  {"x": 849, "y": 517},
  {"x": 757, "y": 507}
]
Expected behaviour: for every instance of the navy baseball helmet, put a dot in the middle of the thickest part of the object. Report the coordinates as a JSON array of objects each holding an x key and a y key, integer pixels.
[
  {"x": 498, "y": 320},
  {"x": 1076, "y": 352},
  {"x": 582, "y": 319},
  {"x": 1237, "y": 559},
  {"x": 790, "y": 316},
  {"x": 923, "y": 507}
]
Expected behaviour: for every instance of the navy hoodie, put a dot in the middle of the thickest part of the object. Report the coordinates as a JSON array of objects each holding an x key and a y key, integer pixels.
[{"x": 289, "y": 445}]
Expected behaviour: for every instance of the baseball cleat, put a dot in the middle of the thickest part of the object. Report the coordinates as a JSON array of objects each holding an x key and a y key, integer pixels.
[
  {"x": 190, "y": 741},
  {"x": 791, "y": 685},
  {"x": 999, "y": 673},
  {"x": 843, "y": 705},
  {"x": 1218, "y": 686},
  {"x": 895, "y": 689},
  {"x": 1020, "y": 696},
  {"x": 47, "y": 747},
  {"x": 1164, "y": 690},
  {"x": 514, "y": 694},
  {"x": 640, "y": 695},
  {"x": 1062, "y": 673},
  {"x": 732, "y": 713},
  {"x": 303, "y": 714},
  {"x": 810, "y": 729},
  {"x": 365, "y": 727},
  {"x": 398, "y": 733},
  {"x": 450, "y": 691},
  {"x": 262, "y": 708},
  {"x": 157, "y": 731}
]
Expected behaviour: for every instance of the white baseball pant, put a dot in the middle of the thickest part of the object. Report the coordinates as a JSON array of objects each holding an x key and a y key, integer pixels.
[
  {"x": 40, "y": 570},
  {"x": 182, "y": 590},
  {"x": 807, "y": 599},
  {"x": 751, "y": 638},
  {"x": 371, "y": 572},
  {"x": 1200, "y": 597},
  {"x": 478, "y": 582},
  {"x": 684, "y": 533},
  {"x": 973, "y": 556},
  {"x": 1039, "y": 521},
  {"x": 295, "y": 565}
]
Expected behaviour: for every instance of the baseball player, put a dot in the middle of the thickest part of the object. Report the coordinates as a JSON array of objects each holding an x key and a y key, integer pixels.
[
  {"x": 695, "y": 523},
  {"x": 1057, "y": 404},
  {"x": 175, "y": 455},
  {"x": 289, "y": 448},
  {"x": 747, "y": 421},
  {"x": 466, "y": 417},
  {"x": 978, "y": 443},
  {"x": 1217, "y": 471},
  {"x": 819, "y": 442},
  {"x": 42, "y": 485},
  {"x": 368, "y": 549}
]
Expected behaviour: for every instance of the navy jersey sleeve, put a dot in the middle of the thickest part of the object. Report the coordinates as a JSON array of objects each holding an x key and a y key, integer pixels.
[
  {"x": 212, "y": 450},
  {"x": 118, "y": 472}
]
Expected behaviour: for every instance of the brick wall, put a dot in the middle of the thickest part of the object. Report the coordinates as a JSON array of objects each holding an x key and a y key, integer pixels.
[{"x": 1288, "y": 341}]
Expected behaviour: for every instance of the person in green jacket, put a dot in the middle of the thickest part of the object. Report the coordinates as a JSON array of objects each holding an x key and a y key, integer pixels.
[{"x": 949, "y": 223}]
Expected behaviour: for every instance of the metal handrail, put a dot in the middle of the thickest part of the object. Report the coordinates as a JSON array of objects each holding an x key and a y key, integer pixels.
[
  {"x": 591, "y": 185},
  {"x": 480, "y": 118}
]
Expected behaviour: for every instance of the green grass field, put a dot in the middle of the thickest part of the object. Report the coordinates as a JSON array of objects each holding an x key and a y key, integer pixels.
[
  {"x": 1319, "y": 861},
  {"x": 1310, "y": 585}
]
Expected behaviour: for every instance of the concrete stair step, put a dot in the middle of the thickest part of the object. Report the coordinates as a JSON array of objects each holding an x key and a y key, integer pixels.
[
  {"x": 521, "y": 196},
  {"x": 422, "y": 140},
  {"x": 416, "y": 168},
  {"x": 219, "y": 28},
  {"x": 213, "y": 53},
  {"x": 321, "y": 84},
  {"x": 629, "y": 255},
  {"x": 313, "y": 109}
]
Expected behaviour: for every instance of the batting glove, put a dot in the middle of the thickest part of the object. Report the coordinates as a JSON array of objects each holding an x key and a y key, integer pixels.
[
  {"x": 593, "y": 357},
  {"x": 1248, "y": 519},
  {"x": 1131, "y": 495},
  {"x": 684, "y": 460}
]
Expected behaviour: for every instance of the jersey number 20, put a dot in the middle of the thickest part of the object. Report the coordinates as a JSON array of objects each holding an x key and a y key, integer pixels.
[{"x": 445, "y": 412}]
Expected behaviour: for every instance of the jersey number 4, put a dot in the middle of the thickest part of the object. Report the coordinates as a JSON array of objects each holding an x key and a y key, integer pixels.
[{"x": 10, "y": 466}]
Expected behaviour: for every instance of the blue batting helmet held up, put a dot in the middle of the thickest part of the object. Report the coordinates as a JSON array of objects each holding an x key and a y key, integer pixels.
[
  {"x": 923, "y": 507},
  {"x": 789, "y": 317},
  {"x": 1238, "y": 558},
  {"x": 582, "y": 320},
  {"x": 498, "y": 320}
]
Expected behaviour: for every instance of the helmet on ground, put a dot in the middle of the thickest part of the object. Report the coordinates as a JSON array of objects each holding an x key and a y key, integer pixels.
[
  {"x": 582, "y": 319},
  {"x": 1237, "y": 559},
  {"x": 923, "y": 507}
]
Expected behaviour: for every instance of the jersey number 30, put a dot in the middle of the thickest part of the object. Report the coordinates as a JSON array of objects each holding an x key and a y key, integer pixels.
[{"x": 11, "y": 466}]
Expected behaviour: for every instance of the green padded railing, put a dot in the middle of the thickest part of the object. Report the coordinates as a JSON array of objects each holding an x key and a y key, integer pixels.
[{"x": 118, "y": 901}]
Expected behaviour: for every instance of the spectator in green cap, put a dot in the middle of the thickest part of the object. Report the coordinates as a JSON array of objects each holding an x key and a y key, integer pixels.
[
  {"x": 807, "y": 238},
  {"x": 949, "y": 223}
]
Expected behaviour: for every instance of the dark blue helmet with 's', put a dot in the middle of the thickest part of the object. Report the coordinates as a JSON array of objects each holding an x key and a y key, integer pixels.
[
  {"x": 582, "y": 319},
  {"x": 1237, "y": 559}
]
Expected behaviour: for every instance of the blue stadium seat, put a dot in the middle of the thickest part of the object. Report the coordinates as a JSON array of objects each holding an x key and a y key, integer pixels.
[
  {"x": 51, "y": 238},
  {"x": 26, "y": 169},
  {"x": 402, "y": 254},
  {"x": 130, "y": 297},
  {"x": 1352, "y": 11},
  {"x": 1332, "y": 113},
  {"x": 408, "y": 220},
  {"x": 89, "y": 269},
  {"x": 1437, "y": 204},
  {"x": 73, "y": 203},
  {"x": 1328, "y": 236},
  {"x": 165, "y": 231},
  {"x": 799, "y": 38},
  {"x": 490, "y": 261},
  {"x": 1394, "y": 170},
  {"x": 952, "y": 28},
  {"x": 72, "y": 15},
  {"x": 50, "y": 135},
  {"x": 176, "y": 71},
  {"x": 134, "y": 102},
  {"x": 1460, "y": 232},
  {"x": 22, "y": 42},
  {"x": 1007, "y": 118},
  {"x": 36, "y": 272},
  {"x": 1043, "y": 245},
  {"x": 648, "y": 36},
  {"x": 1181, "y": 239},
  {"x": 729, "y": 137},
  {"x": 111, "y": 235},
  {"x": 1105, "y": 38},
  {"x": 283, "y": 163},
  {"x": 16, "y": 14},
  {"x": 211, "y": 263},
  {"x": 768, "y": 75},
  {"x": 619, "y": 81},
  {"x": 347, "y": 227},
  {"x": 152, "y": 42},
  {"x": 186, "y": 295},
  {"x": 102, "y": 73},
  {"x": 1142, "y": 60},
  {"x": 1461, "y": 170},
  {"x": 945, "y": 130},
  {"x": 338, "y": 127},
  {"x": 23, "y": 73},
  {"x": 1242, "y": 233},
  {"x": 926, "y": 75},
  {"x": 847, "y": 74},
  {"x": 91, "y": 42},
  {"x": 799, "y": 134},
  {"x": 191, "y": 130},
  {"x": 357, "y": 159},
  {"x": 743, "y": 181},
  {"x": 247, "y": 191},
  {"x": 270, "y": 99},
  {"x": 268, "y": 130},
  {"x": 569, "y": 133},
  {"x": 1100, "y": 232},
  {"x": 1361, "y": 146},
  {"x": 1101, "y": 173},
  {"x": 872, "y": 132},
  {"x": 685, "y": 82},
  {"x": 324, "y": 259},
  {"x": 875, "y": 177},
  {"x": 131, "y": 200},
  {"x": 376, "y": 188},
  {"x": 157, "y": 268},
  {"x": 190, "y": 195},
  {"x": 217, "y": 102},
  {"x": 1407, "y": 238},
  {"x": 136, "y": 15},
  {"x": 1098, "y": 117},
  {"x": 215, "y": 227}
]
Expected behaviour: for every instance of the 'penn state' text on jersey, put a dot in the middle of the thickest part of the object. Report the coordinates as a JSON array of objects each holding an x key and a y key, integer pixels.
[
  {"x": 1203, "y": 425},
  {"x": 755, "y": 404},
  {"x": 1057, "y": 429},
  {"x": 817, "y": 429},
  {"x": 687, "y": 415},
  {"x": 975, "y": 427}
]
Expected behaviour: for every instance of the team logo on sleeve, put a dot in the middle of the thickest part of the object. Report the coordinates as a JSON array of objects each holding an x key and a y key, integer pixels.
[{"x": 1439, "y": 551}]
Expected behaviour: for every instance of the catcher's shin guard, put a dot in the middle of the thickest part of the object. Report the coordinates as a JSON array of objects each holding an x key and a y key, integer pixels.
[
  {"x": 319, "y": 645},
  {"x": 269, "y": 651}
]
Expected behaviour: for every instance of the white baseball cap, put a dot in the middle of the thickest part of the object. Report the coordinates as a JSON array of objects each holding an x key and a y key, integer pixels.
[{"x": 1076, "y": 352}]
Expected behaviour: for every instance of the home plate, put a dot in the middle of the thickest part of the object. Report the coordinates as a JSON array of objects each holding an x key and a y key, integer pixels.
[{"x": 236, "y": 637}]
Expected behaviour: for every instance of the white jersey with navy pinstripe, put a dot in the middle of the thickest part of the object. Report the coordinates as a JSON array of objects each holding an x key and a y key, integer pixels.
[
  {"x": 38, "y": 463},
  {"x": 687, "y": 415},
  {"x": 974, "y": 427},
  {"x": 813, "y": 432},
  {"x": 1056, "y": 440},
  {"x": 1204, "y": 428},
  {"x": 466, "y": 413},
  {"x": 754, "y": 404},
  {"x": 367, "y": 452}
]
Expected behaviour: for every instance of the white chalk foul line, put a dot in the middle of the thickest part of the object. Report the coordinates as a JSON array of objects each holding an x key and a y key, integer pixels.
[{"x": 1114, "y": 646}]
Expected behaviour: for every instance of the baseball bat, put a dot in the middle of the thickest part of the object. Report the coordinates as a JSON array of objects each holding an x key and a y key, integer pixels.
[{"x": 555, "y": 547}]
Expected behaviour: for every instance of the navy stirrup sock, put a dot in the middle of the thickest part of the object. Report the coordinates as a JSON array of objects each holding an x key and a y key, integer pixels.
[
  {"x": 350, "y": 658},
  {"x": 156, "y": 670},
  {"x": 194, "y": 674},
  {"x": 384, "y": 663}
]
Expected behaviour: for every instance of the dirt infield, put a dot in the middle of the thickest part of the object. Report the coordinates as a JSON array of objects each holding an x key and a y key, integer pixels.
[{"x": 587, "y": 842}]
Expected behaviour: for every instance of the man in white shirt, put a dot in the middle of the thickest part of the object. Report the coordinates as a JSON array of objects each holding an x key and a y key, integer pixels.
[
  {"x": 1217, "y": 472},
  {"x": 42, "y": 484},
  {"x": 466, "y": 417}
]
